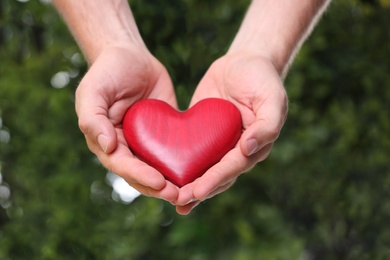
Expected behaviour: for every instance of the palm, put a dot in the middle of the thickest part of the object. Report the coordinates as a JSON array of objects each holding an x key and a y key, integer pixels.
[
  {"x": 247, "y": 82},
  {"x": 255, "y": 87},
  {"x": 116, "y": 80}
]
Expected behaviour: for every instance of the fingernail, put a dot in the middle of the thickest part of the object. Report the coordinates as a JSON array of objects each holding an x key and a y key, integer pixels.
[
  {"x": 251, "y": 146},
  {"x": 103, "y": 142}
]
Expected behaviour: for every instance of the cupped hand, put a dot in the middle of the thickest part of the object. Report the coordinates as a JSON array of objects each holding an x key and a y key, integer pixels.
[
  {"x": 119, "y": 77},
  {"x": 253, "y": 84}
]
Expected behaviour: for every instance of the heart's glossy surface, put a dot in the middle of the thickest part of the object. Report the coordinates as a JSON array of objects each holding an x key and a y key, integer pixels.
[{"x": 182, "y": 145}]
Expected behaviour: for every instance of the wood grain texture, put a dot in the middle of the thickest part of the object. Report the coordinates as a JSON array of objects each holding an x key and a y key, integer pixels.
[{"x": 182, "y": 145}]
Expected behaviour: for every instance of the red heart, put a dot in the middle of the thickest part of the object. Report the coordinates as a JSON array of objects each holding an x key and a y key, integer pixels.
[{"x": 182, "y": 145}]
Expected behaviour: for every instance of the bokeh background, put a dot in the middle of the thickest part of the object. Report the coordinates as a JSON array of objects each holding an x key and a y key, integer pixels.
[{"x": 323, "y": 193}]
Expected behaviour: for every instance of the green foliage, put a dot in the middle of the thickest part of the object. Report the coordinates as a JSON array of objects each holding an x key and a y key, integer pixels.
[
  {"x": 333, "y": 182},
  {"x": 322, "y": 194}
]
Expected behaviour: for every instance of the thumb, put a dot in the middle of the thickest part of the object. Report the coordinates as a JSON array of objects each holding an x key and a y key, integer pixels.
[
  {"x": 100, "y": 130},
  {"x": 95, "y": 125},
  {"x": 265, "y": 129}
]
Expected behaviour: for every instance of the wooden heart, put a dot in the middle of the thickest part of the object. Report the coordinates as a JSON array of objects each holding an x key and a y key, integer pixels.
[{"x": 182, "y": 145}]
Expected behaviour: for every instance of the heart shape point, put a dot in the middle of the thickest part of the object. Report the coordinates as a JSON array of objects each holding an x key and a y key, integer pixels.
[{"x": 182, "y": 146}]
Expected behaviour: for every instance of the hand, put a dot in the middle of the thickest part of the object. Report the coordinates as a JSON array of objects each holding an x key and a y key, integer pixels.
[
  {"x": 253, "y": 84},
  {"x": 119, "y": 77}
]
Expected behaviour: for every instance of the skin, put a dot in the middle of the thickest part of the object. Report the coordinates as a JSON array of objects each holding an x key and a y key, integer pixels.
[
  {"x": 266, "y": 43},
  {"x": 123, "y": 71}
]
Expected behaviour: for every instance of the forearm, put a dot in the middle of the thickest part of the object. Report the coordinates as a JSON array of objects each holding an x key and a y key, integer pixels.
[
  {"x": 97, "y": 24},
  {"x": 277, "y": 28}
]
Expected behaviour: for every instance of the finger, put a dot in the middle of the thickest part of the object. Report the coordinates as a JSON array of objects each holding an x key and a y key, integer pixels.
[
  {"x": 93, "y": 121},
  {"x": 135, "y": 171},
  {"x": 185, "y": 210},
  {"x": 131, "y": 169},
  {"x": 220, "y": 177},
  {"x": 221, "y": 189},
  {"x": 186, "y": 194},
  {"x": 228, "y": 169},
  {"x": 271, "y": 114},
  {"x": 169, "y": 192}
]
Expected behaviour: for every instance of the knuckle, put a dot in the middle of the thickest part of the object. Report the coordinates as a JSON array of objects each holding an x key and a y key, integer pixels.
[
  {"x": 273, "y": 133},
  {"x": 84, "y": 125}
]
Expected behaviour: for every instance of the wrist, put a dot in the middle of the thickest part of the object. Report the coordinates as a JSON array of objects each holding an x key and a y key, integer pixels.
[
  {"x": 100, "y": 24},
  {"x": 260, "y": 51}
]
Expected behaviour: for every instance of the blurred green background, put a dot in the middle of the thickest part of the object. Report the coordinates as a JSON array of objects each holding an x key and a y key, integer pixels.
[{"x": 323, "y": 193}]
